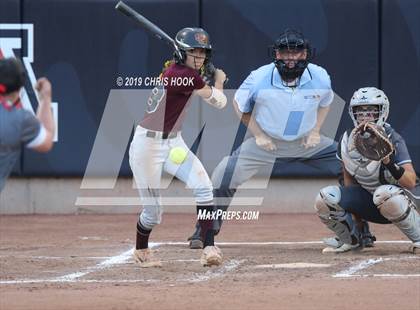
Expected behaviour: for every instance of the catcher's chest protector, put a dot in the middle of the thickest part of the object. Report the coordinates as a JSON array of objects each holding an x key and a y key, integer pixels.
[{"x": 366, "y": 172}]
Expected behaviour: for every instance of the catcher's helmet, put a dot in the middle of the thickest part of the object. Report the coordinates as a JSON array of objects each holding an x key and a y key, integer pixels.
[
  {"x": 291, "y": 40},
  {"x": 370, "y": 96},
  {"x": 189, "y": 38},
  {"x": 12, "y": 75}
]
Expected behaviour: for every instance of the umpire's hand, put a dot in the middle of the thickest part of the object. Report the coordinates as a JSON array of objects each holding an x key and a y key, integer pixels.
[
  {"x": 265, "y": 142},
  {"x": 312, "y": 140}
]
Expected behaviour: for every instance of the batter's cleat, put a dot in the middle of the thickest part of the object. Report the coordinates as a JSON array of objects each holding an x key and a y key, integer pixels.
[
  {"x": 145, "y": 259},
  {"x": 195, "y": 241},
  {"x": 415, "y": 247},
  {"x": 345, "y": 247},
  {"x": 211, "y": 256},
  {"x": 332, "y": 242}
]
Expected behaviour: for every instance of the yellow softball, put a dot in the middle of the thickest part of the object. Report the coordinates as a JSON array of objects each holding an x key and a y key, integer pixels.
[{"x": 177, "y": 155}]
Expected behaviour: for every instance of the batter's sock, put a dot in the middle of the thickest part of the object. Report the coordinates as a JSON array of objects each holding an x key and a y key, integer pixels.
[
  {"x": 142, "y": 238},
  {"x": 207, "y": 231}
]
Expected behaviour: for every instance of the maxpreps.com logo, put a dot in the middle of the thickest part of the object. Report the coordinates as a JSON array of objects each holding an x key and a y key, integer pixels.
[{"x": 17, "y": 40}]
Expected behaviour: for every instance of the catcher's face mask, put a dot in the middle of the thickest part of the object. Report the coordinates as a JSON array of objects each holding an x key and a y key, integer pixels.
[{"x": 366, "y": 113}]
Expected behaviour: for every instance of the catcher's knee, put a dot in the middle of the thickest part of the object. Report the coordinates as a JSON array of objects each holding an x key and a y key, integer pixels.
[
  {"x": 391, "y": 202},
  {"x": 328, "y": 200}
]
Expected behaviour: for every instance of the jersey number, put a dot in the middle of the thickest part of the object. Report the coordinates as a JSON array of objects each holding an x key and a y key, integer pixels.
[{"x": 155, "y": 98}]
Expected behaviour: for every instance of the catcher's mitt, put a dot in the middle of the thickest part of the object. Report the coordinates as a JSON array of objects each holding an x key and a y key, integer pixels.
[{"x": 372, "y": 142}]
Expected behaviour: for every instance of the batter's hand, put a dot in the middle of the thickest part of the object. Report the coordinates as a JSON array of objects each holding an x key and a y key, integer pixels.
[
  {"x": 265, "y": 142},
  {"x": 219, "y": 76},
  {"x": 43, "y": 86},
  {"x": 312, "y": 140}
]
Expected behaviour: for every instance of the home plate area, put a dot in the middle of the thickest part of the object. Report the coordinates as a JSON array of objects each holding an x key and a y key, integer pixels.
[
  {"x": 242, "y": 261},
  {"x": 85, "y": 262}
]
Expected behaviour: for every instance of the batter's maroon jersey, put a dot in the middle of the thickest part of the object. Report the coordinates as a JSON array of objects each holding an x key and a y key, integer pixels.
[{"x": 166, "y": 112}]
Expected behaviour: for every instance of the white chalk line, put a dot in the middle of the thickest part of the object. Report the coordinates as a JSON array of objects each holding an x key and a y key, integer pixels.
[
  {"x": 350, "y": 272},
  {"x": 210, "y": 274},
  {"x": 298, "y": 265},
  {"x": 54, "y": 257},
  {"x": 108, "y": 263},
  {"x": 276, "y": 243},
  {"x": 112, "y": 261},
  {"x": 213, "y": 274},
  {"x": 175, "y": 243},
  {"x": 124, "y": 257},
  {"x": 385, "y": 275}
]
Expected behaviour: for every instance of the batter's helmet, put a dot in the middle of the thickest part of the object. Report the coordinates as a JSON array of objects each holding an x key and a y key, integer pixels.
[{"x": 189, "y": 38}]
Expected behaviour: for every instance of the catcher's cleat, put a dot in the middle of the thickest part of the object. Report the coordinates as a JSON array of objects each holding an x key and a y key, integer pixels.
[
  {"x": 367, "y": 238},
  {"x": 333, "y": 242},
  {"x": 345, "y": 247},
  {"x": 415, "y": 247},
  {"x": 211, "y": 256},
  {"x": 145, "y": 259}
]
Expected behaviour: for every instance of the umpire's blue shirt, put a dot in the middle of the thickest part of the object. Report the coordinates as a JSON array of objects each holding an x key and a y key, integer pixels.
[{"x": 286, "y": 113}]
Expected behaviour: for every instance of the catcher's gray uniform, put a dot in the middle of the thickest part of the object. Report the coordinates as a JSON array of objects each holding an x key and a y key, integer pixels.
[
  {"x": 17, "y": 127},
  {"x": 368, "y": 173},
  {"x": 376, "y": 198}
]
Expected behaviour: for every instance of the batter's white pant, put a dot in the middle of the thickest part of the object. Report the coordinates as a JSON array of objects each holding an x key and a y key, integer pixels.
[{"x": 149, "y": 157}]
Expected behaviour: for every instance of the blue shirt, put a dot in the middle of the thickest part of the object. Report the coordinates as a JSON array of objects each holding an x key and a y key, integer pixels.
[{"x": 286, "y": 113}]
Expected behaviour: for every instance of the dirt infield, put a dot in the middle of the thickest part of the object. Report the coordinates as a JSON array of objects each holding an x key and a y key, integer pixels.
[{"x": 84, "y": 262}]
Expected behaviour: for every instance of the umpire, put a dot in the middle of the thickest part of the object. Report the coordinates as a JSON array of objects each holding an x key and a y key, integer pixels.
[
  {"x": 19, "y": 127},
  {"x": 284, "y": 105}
]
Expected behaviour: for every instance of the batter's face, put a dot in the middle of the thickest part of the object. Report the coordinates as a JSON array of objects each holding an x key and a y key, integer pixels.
[
  {"x": 195, "y": 58},
  {"x": 291, "y": 57},
  {"x": 366, "y": 113}
]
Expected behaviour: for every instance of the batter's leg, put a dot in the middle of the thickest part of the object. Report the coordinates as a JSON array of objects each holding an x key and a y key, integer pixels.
[{"x": 146, "y": 158}]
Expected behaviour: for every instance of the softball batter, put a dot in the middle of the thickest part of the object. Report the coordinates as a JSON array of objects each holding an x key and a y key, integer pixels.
[{"x": 160, "y": 132}]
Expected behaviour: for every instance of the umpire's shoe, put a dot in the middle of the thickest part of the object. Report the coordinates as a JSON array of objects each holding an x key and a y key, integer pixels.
[{"x": 195, "y": 241}]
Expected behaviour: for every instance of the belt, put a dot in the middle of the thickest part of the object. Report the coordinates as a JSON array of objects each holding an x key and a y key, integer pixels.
[{"x": 162, "y": 135}]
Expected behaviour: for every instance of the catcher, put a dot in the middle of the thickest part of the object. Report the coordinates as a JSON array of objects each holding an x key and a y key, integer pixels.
[{"x": 379, "y": 179}]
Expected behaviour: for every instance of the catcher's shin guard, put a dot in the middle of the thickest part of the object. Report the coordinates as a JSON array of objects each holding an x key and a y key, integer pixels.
[
  {"x": 334, "y": 217},
  {"x": 395, "y": 206}
]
